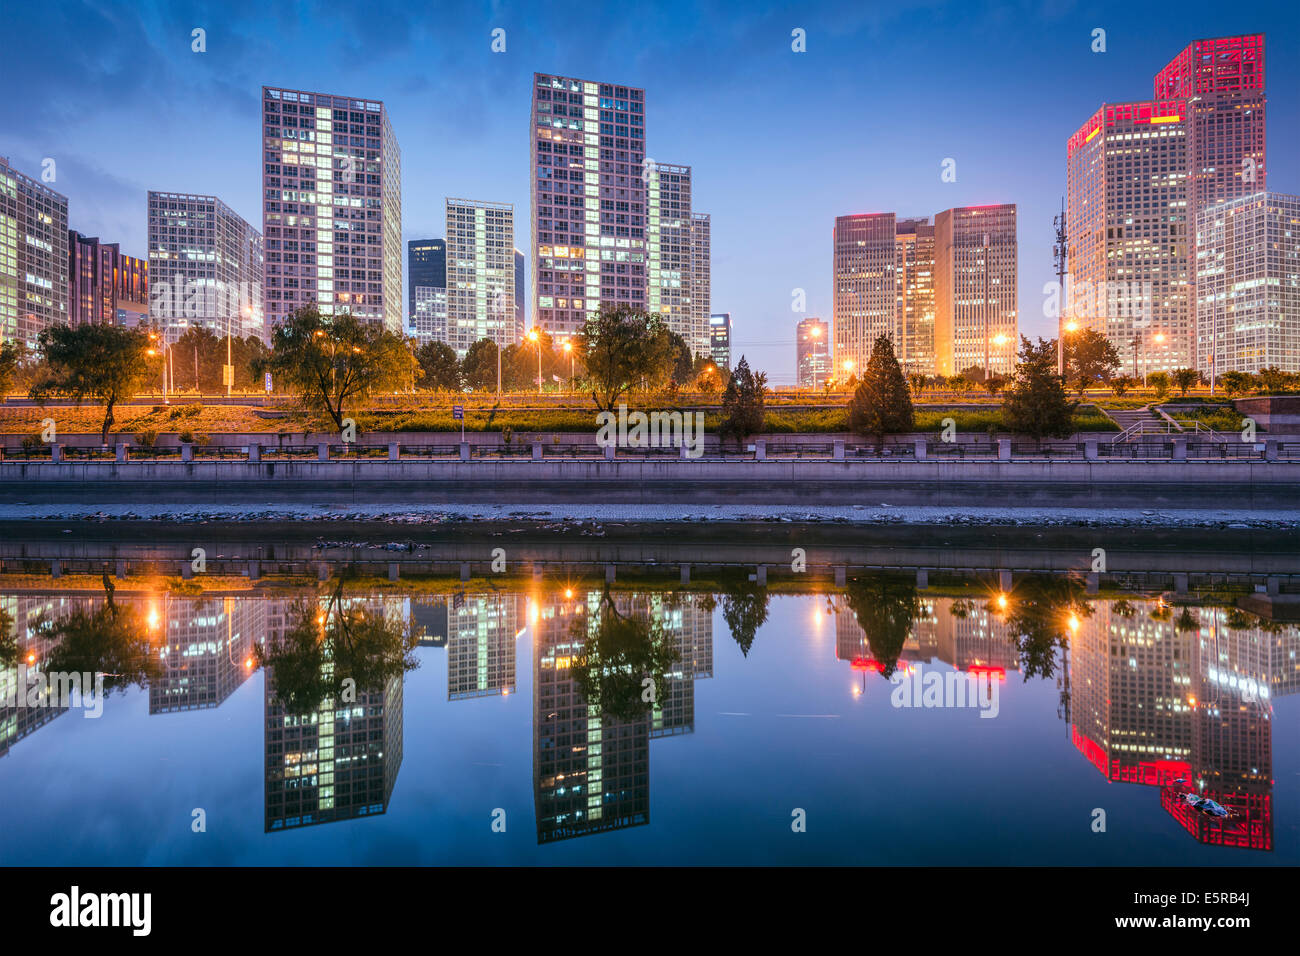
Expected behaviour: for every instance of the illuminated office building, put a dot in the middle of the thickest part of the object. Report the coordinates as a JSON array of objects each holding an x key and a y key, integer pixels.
[
  {"x": 588, "y": 187},
  {"x": 33, "y": 256},
  {"x": 480, "y": 274},
  {"x": 426, "y": 265},
  {"x": 812, "y": 352},
  {"x": 1248, "y": 284},
  {"x": 332, "y": 213},
  {"x": 976, "y": 314},
  {"x": 720, "y": 339},
  {"x": 205, "y": 267},
  {"x": 104, "y": 286}
]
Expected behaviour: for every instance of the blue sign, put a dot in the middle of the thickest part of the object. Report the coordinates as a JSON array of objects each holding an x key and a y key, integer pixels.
[{"x": 458, "y": 413}]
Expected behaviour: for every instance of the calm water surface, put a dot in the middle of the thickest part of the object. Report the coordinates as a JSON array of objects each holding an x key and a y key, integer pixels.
[{"x": 518, "y": 727}]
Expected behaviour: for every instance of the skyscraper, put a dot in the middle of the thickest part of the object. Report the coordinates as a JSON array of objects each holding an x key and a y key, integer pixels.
[
  {"x": 104, "y": 286},
  {"x": 426, "y": 266},
  {"x": 865, "y": 297},
  {"x": 1139, "y": 174},
  {"x": 205, "y": 266},
  {"x": 812, "y": 353},
  {"x": 668, "y": 245},
  {"x": 332, "y": 213},
  {"x": 587, "y": 146},
  {"x": 521, "y": 296},
  {"x": 33, "y": 256},
  {"x": 701, "y": 281},
  {"x": 914, "y": 274},
  {"x": 720, "y": 339},
  {"x": 976, "y": 316},
  {"x": 480, "y": 273},
  {"x": 1248, "y": 284}
]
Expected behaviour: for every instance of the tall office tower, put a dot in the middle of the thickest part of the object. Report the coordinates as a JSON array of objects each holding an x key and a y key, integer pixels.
[
  {"x": 975, "y": 310},
  {"x": 1139, "y": 176},
  {"x": 1248, "y": 284},
  {"x": 1129, "y": 232},
  {"x": 429, "y": 324},
  {"x": 521, "y": 296},
  {"x": 205, "y": 267},
  {"x": 812, "y": 353},
  {"x": 481, "y": 631},
  {"x": 480, "y": 273},
  {"x": 914, "y": 271},
  {"x": 1222, "y": 80},
  {"x": 865, "y": 297},
  {"x": 587, "y": 146},
  {"x": 33, "y": 256},
  {"x": 720, "y": 339},
  {"x": 104, "y": 286},
  {"x": 669, "y": 248},
  {"x": 701, "y": 282},
  {"x": 426, "y": 265},
  {"x": 332, "y": 213}
]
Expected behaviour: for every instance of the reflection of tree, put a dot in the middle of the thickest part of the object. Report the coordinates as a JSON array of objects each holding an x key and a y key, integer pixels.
[
  {"x": 885, "y": 607},
  {"x": 744, "y": 608},
  {"x": 1041, "y": 607},
  {"x": 324, "y": 648},
  {"x": 8, "y": 640},
  {"x": 1186, "y": 622},
  {"x": 618, "y": 653},
  {"x": 112, "y": 640}
]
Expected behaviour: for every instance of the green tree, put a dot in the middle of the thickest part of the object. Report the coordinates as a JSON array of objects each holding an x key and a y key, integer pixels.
[
  {"x": 1185, "y": 378},
  {"x": 1089, "y": 358},
  {"x": 1274, "y": 380},
  {"x": 441, "y": 371},
  {"x": 1036, "y": 404},
  {"x": 331, "y": 362},
  {"x": 882, "y": 403},
  {"x": 12, "y": 354},
  {"x": 107, "y": 363},
  {"x": 478, "y": 369},
  {"x": 1121, "y": 384},
  {"x": 1160, "y": 382},
  {"x": 199, "y": 354},
  {"x": 1236, "y": 383},
  {"x": 742, "y": 403},
  {"x": 110, "y": 640},
  {"x": 624, "y": 348}
]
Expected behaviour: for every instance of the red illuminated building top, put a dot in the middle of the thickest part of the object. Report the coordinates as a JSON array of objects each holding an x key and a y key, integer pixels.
[
  {"x": 1153, "y": 112},
  {"x": 1218, "y": 65}
]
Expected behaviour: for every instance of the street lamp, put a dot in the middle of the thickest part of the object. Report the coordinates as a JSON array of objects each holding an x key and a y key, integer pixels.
[
  {"x": 1158, "y": 338},
  {"x": 568, "y": 348},
  {"x": 815, "y": 332},
  {"x": 1068, "y": 328},
  {"x": 534, "y": 337}
]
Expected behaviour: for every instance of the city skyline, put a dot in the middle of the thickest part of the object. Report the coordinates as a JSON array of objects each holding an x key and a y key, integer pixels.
[{"x": 753, "y": 278}]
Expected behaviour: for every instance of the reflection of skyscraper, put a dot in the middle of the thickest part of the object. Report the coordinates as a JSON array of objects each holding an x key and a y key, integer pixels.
[
  {"x": 429, "y": 618},
  {"x": 1180, "y": 700},
  {"x": 204, "y": 649},
  {"x": 340, "y": 760},
  {"x": 688, "y": 631},
  {"x": 591, "y": 773},
  {"x": 33, "y": 643},
  {"x": 481, "y": 632}
]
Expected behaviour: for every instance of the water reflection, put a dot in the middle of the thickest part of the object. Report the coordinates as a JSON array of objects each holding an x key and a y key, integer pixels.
[{"x": 1175, "y": 698}]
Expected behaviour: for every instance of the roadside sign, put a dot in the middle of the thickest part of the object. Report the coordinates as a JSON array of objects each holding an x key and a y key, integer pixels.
[
  {"x": 268, "y": 383},
  {"x": 228, "y": 375},
  {"x": 457, "y": 412}
]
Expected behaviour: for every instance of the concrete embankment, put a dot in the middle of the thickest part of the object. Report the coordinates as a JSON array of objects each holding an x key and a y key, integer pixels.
[{"x": 1238, "y": 485}]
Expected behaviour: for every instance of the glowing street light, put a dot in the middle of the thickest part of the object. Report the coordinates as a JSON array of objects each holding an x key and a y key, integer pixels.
[{"x": 537, "y": 339}]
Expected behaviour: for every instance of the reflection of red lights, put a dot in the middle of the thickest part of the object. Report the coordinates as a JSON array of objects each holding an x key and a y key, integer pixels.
[
  {"x": 980, "y": 669},
  {"x": 867, "y": 664}
]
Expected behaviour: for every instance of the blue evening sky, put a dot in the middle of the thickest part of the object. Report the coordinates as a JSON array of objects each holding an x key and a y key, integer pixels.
[{"x": 780, "y": 142}]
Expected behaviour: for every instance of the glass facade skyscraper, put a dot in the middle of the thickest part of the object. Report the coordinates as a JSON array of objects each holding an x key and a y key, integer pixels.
[
  {"x": 332, "y": 214},
  {"x": 33, "y": 256}
]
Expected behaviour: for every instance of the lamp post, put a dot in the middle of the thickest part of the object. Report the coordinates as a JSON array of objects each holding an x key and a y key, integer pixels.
[
  {"x": 1158, "y": 338},
  {"x": 534, "y": 337},
  {"x": 848, "y": 371},
  {"x": 568, "y": 348},
  {"x": 816, "y": 333}
]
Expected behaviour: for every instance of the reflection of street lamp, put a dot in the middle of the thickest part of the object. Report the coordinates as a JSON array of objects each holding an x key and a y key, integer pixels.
[{"x": 534, "y": 337}]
